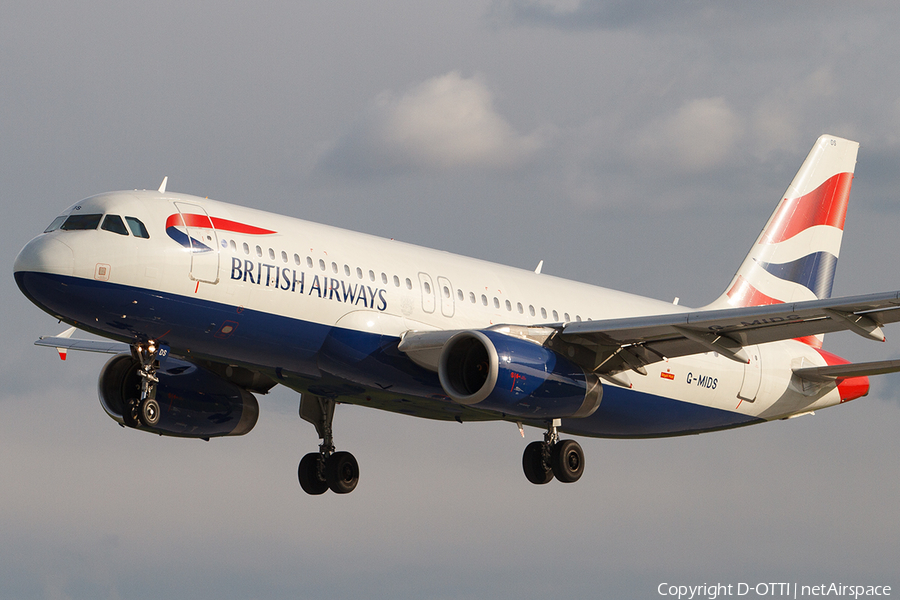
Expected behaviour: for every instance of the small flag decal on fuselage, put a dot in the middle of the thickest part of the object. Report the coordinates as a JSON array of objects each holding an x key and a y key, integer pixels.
[{"x": 667, "y": 375}]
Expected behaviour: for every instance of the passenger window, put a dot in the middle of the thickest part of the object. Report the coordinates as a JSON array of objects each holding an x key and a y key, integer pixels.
[
  {"x": 80, "y": 222},
  {"x": 427, "y": 287},
  {"x": 309, "y": 262},
  {"x": 271, "y": 254},
  {"x": 383, "y": 278},
  {"x": 114, "y": 223},
  {"x": 371, "y": 274},
  {"x": 484, "y": 299},
  {"x": 334, "y": 267},
  {"x": 519, "y": 307},
  {"x": 566, "y": 315},
  {"x": 508, "y": 305},
  {"x": 358, "y": 273},
  {"x": 321, "y": 264},
  {"x": 531, "y": 310},
  {"x": 396, "y": 281},
  {"x": 347, "y": 270},
  {"x": 408, "y": 283},
  {"x": 472, "y": 297},
  {"x": 543, "y": 313},
  {"x": 259, "y": 251},
  {"x": 283, "y": 256},
  {"x": 246, "y": 248},
  {"x": 233, "y": 246},
  {"x": 55, "y": 224},
  {"x": 496, "y": 302},
  {"x": 555, "y": 316},
  {"x": 460, "y": 295},
  {"x": 297, "y": 259}
]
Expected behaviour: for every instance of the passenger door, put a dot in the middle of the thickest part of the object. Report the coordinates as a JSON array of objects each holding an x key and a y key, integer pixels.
[{"x": 204, "y": 242}]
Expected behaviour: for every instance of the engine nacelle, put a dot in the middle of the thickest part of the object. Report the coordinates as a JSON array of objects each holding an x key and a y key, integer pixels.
[
  {"x": 517, "y": 377},
  {"x": 193, "y": 402}
]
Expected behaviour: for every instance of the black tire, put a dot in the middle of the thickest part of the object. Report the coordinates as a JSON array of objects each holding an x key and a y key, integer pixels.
[
  {"x": 148, "y": 414},
  {"x": 308, "y": 474},
  {"x": 536, "y": 470},
  {"x": 130, "y": 412},
  {"x": 341, "y": 472},
  {"x": 567, "y": 461}
]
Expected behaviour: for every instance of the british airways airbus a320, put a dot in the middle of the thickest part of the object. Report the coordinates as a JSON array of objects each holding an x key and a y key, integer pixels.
[{"x": 206, "y": 304}]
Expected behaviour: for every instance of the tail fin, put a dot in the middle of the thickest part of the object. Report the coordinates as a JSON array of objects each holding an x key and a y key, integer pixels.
[{"x": 795, "y": 255}]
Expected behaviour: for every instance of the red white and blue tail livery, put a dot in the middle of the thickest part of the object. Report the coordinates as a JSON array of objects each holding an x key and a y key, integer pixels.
[{"x": 206, "y": 304}]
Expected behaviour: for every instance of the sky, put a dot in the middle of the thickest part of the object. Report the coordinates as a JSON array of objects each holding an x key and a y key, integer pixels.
[{"x": 637, "y": 146}]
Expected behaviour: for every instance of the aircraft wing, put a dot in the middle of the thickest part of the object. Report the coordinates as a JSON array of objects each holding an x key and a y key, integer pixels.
[
  {"x": 66, "y": 343},
  {"x": 630, "y": 343},
  {"x": 611, "y": 346}
]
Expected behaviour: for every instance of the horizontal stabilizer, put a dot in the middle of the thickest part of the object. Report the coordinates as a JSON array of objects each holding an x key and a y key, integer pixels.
[{"x": 832, "y": 372}]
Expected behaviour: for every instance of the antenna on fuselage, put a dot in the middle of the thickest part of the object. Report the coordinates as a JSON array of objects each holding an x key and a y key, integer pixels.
[
  {"x": 539, "y": 267},
  {"x": 162, "y": 186}
]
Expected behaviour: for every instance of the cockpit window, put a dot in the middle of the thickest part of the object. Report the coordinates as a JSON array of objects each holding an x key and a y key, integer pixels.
[
  {"x": 114, "y": 223},
  {"x": 81, "y": 222},
  {"x": 137, "y": 228},
  {"x": 55, "y": 224}
]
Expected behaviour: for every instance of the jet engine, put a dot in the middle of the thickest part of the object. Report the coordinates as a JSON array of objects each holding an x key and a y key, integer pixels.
[
  {"x": 190, "y": 401},
  {"x": 517, "y": 377}
]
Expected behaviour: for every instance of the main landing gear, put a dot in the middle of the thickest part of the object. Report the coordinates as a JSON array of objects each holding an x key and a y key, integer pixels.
[
  {"x": 563, "y": 459},
  {"x": 325, "y": 469},
  {"x": 144, "y": 410}
]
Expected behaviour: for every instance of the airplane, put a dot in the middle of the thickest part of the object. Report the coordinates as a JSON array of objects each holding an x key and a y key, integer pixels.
[{"x": 206, "y": 305}]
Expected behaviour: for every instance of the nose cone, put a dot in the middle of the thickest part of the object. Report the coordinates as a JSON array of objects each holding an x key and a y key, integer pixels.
[
  {"x": 41, "y": 258},
  {"x": 45, "y": 254}
]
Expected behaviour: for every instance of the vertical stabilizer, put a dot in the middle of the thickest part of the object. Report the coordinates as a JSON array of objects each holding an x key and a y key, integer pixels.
[{"x": 794, "y": 257}]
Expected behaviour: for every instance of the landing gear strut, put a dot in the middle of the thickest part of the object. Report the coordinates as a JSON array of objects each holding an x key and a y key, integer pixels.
[
  {"x": 325, "y": 469},
  {"x": 563, "y": 459},
  {"x": 144, "y": 410}
]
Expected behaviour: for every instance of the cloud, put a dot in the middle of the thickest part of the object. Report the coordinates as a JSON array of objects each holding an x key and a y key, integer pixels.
[
  {"x": 586, "y": 14},
  {"x": 447, "y": 122},
  {"x": 697, "y": 137},
  {"x": 777, "y": 121}
]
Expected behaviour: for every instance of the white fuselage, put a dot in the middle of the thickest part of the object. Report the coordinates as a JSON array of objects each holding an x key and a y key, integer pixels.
[{"x": 314, "y": 278}]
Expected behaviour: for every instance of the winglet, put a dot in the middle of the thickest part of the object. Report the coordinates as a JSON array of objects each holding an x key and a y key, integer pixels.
[
  {"x": 539, "y": 267},
  {"x": 63, "y": 352},
  {"x": 162, "y": 186}
]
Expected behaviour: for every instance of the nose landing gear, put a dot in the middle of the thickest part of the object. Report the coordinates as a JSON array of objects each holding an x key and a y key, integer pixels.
[
  {"x": 144, "y": 410},
  {"x": 563, "y": 459},
  {"x": 325, "y": 469}
]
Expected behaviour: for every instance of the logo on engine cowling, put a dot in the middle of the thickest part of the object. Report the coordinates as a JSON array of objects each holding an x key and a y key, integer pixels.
[{"x": 515, "y": 380}]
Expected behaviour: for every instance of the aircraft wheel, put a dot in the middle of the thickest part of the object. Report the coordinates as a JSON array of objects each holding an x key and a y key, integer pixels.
[
  {"x": 567, "y": 461},
  {"x": 341, "y": 472},
  {"x": 130, "y": 412},
  {"x": 536, "y": 470},
  {"x": 149, "y": 412},
  {"x": 308, "y": 473}
]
